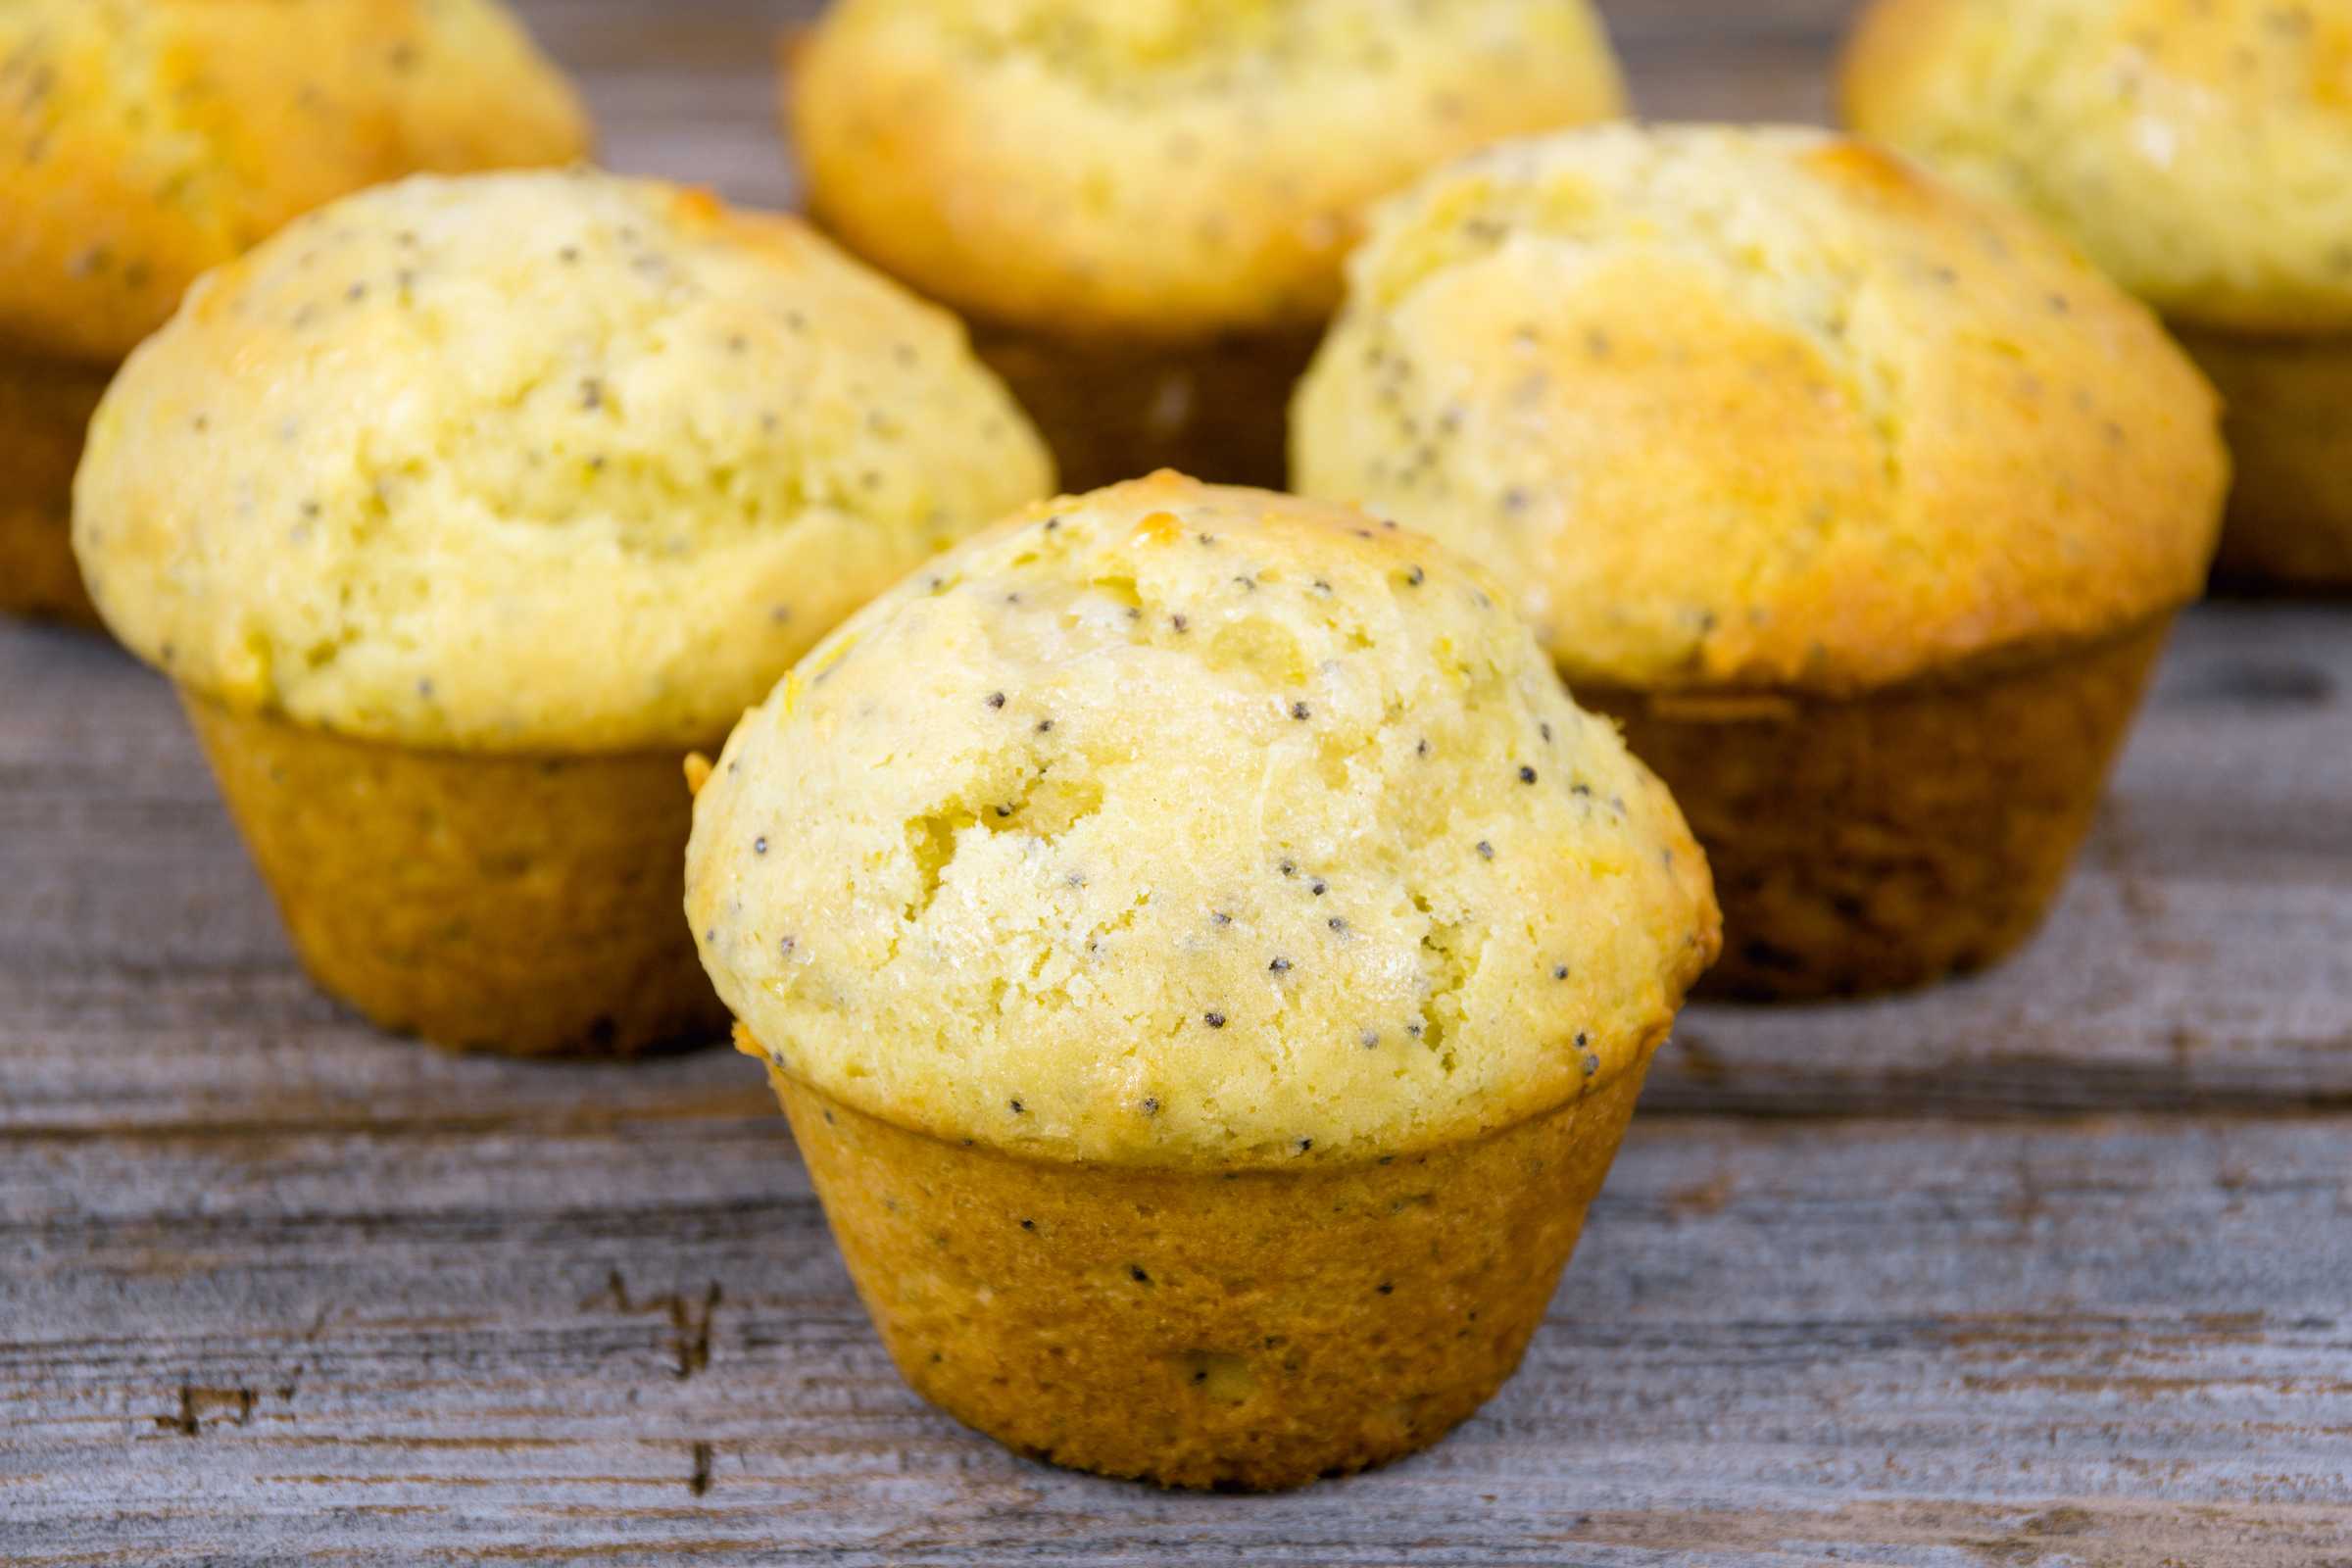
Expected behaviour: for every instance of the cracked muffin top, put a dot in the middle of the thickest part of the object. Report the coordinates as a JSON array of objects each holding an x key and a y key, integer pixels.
[
  {"x": 1178, "y": 824},
  {"x": 532, "y": 462},
  {"x": 142, "y": 141},
  {"x": 1162, "y": 167},
  {"x": 2200, "y": 151},
  {"x": 1762, "y": 408}
]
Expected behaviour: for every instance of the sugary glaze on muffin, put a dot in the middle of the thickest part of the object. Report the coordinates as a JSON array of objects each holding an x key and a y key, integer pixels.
[
  {"x": 1161, "y": 168},
  {"x": 1761, "y": 408},
  {"x": 142, "y": 141},
  {"x": 2200, "y": 151},
  {"x": 524, "y": 462},
  {"x": 1182, "y": 824}
]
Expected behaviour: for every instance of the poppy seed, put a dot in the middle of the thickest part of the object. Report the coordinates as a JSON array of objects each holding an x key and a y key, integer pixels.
[
  {"x": 1280, "y": 966},
  {"x": 996, "y": 698},
  {"x": 1299, "y": 710},
  {"x": 1527, "y": 774},
  {"x": 1215, "y": 1021},
  {"x": 759, "y": 846},
  {"x": 1486, "y": 850}
]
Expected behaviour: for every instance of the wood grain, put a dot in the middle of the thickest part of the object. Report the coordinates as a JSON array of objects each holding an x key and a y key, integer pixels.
[
  {"x": 317, "y": 1343},
  {"x": 284, "y": 1288},
  {"x": 2051, "y": 1265}
]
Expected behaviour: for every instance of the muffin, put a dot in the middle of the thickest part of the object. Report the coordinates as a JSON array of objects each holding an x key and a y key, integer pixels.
[
  {"x": 463, "y": 508},
  {"x": 142, "y": 141},
  {"x": 2200, "y": 151},
  {"x": 1140, "y": 207},
  {"x": 1863, "y": 506},
  {"x": 1208, "y": 964}
]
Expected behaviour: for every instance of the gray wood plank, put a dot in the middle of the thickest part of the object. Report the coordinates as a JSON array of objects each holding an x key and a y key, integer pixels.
[{"x": 2114, "y": 1341}]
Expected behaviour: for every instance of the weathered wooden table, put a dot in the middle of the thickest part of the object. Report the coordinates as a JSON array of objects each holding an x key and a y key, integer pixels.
[{"x": 2051, "y": 1265}]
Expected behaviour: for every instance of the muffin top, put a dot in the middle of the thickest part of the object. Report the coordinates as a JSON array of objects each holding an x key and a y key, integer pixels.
[
  {"x": 1165, "y": 169},
  {"x": 532, "y": 462},
  {"x": 2200, "y": 151},
  {"x": 1761, "y": 408},
  {"x": 1178, "y": 824},
  {"x": 142, "y": 141}
]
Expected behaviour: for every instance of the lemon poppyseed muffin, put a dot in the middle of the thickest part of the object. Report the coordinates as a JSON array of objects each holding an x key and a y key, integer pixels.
[
  {"x": 460, "y": 484},
  {"x": 142, "y": 141},
  {"x": 1839, "y": 487},
  {"x": 1205, "y": 910},
  {"x": 1142, "y": 207},
  {"x": 2201, "y": 152}
]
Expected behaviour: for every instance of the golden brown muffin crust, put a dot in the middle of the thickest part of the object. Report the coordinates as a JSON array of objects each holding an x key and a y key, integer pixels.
[
  {"x": 1762, "y": 408},
  {"x": 2200, "y": 151},
  {"x": 1162, "y": 167},
  {"x": 142, "y": 141},
  {"x": 532, "y": 462}
]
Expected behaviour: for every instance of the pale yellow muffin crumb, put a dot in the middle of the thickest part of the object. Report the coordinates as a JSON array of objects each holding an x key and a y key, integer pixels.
[
  {"x": 142, "y": 141},
  {"x": 2200, "y": 151},
  {"x": 1162, "y": 169},
  {"x": 1762, "y": 408},
  {"x": 1192, "y": 826},
  {"x": 541, "y": 461}
]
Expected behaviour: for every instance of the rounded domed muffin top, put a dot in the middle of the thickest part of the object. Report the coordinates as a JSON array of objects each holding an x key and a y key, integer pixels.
[
  {"x": 1182, "y": 824},
  {"x": 142, "y": 141},
  {"x": 1737, "y": 409},
  {"x": 1164, "y": 169},
  {"x": 2200, "y": 151},
  {"x": 532, "y": 462}
]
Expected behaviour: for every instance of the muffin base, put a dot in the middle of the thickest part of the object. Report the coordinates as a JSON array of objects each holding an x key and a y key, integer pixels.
[
  {"x": 2287, "y": 417},
  {"x": 1244, "y": 1331},
  {"x": 1888, "y": 840},
  {"x": 529, "y": 906},
  {"x": 1114, "y": 409},
  {"x": 45, "y": 409}
]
